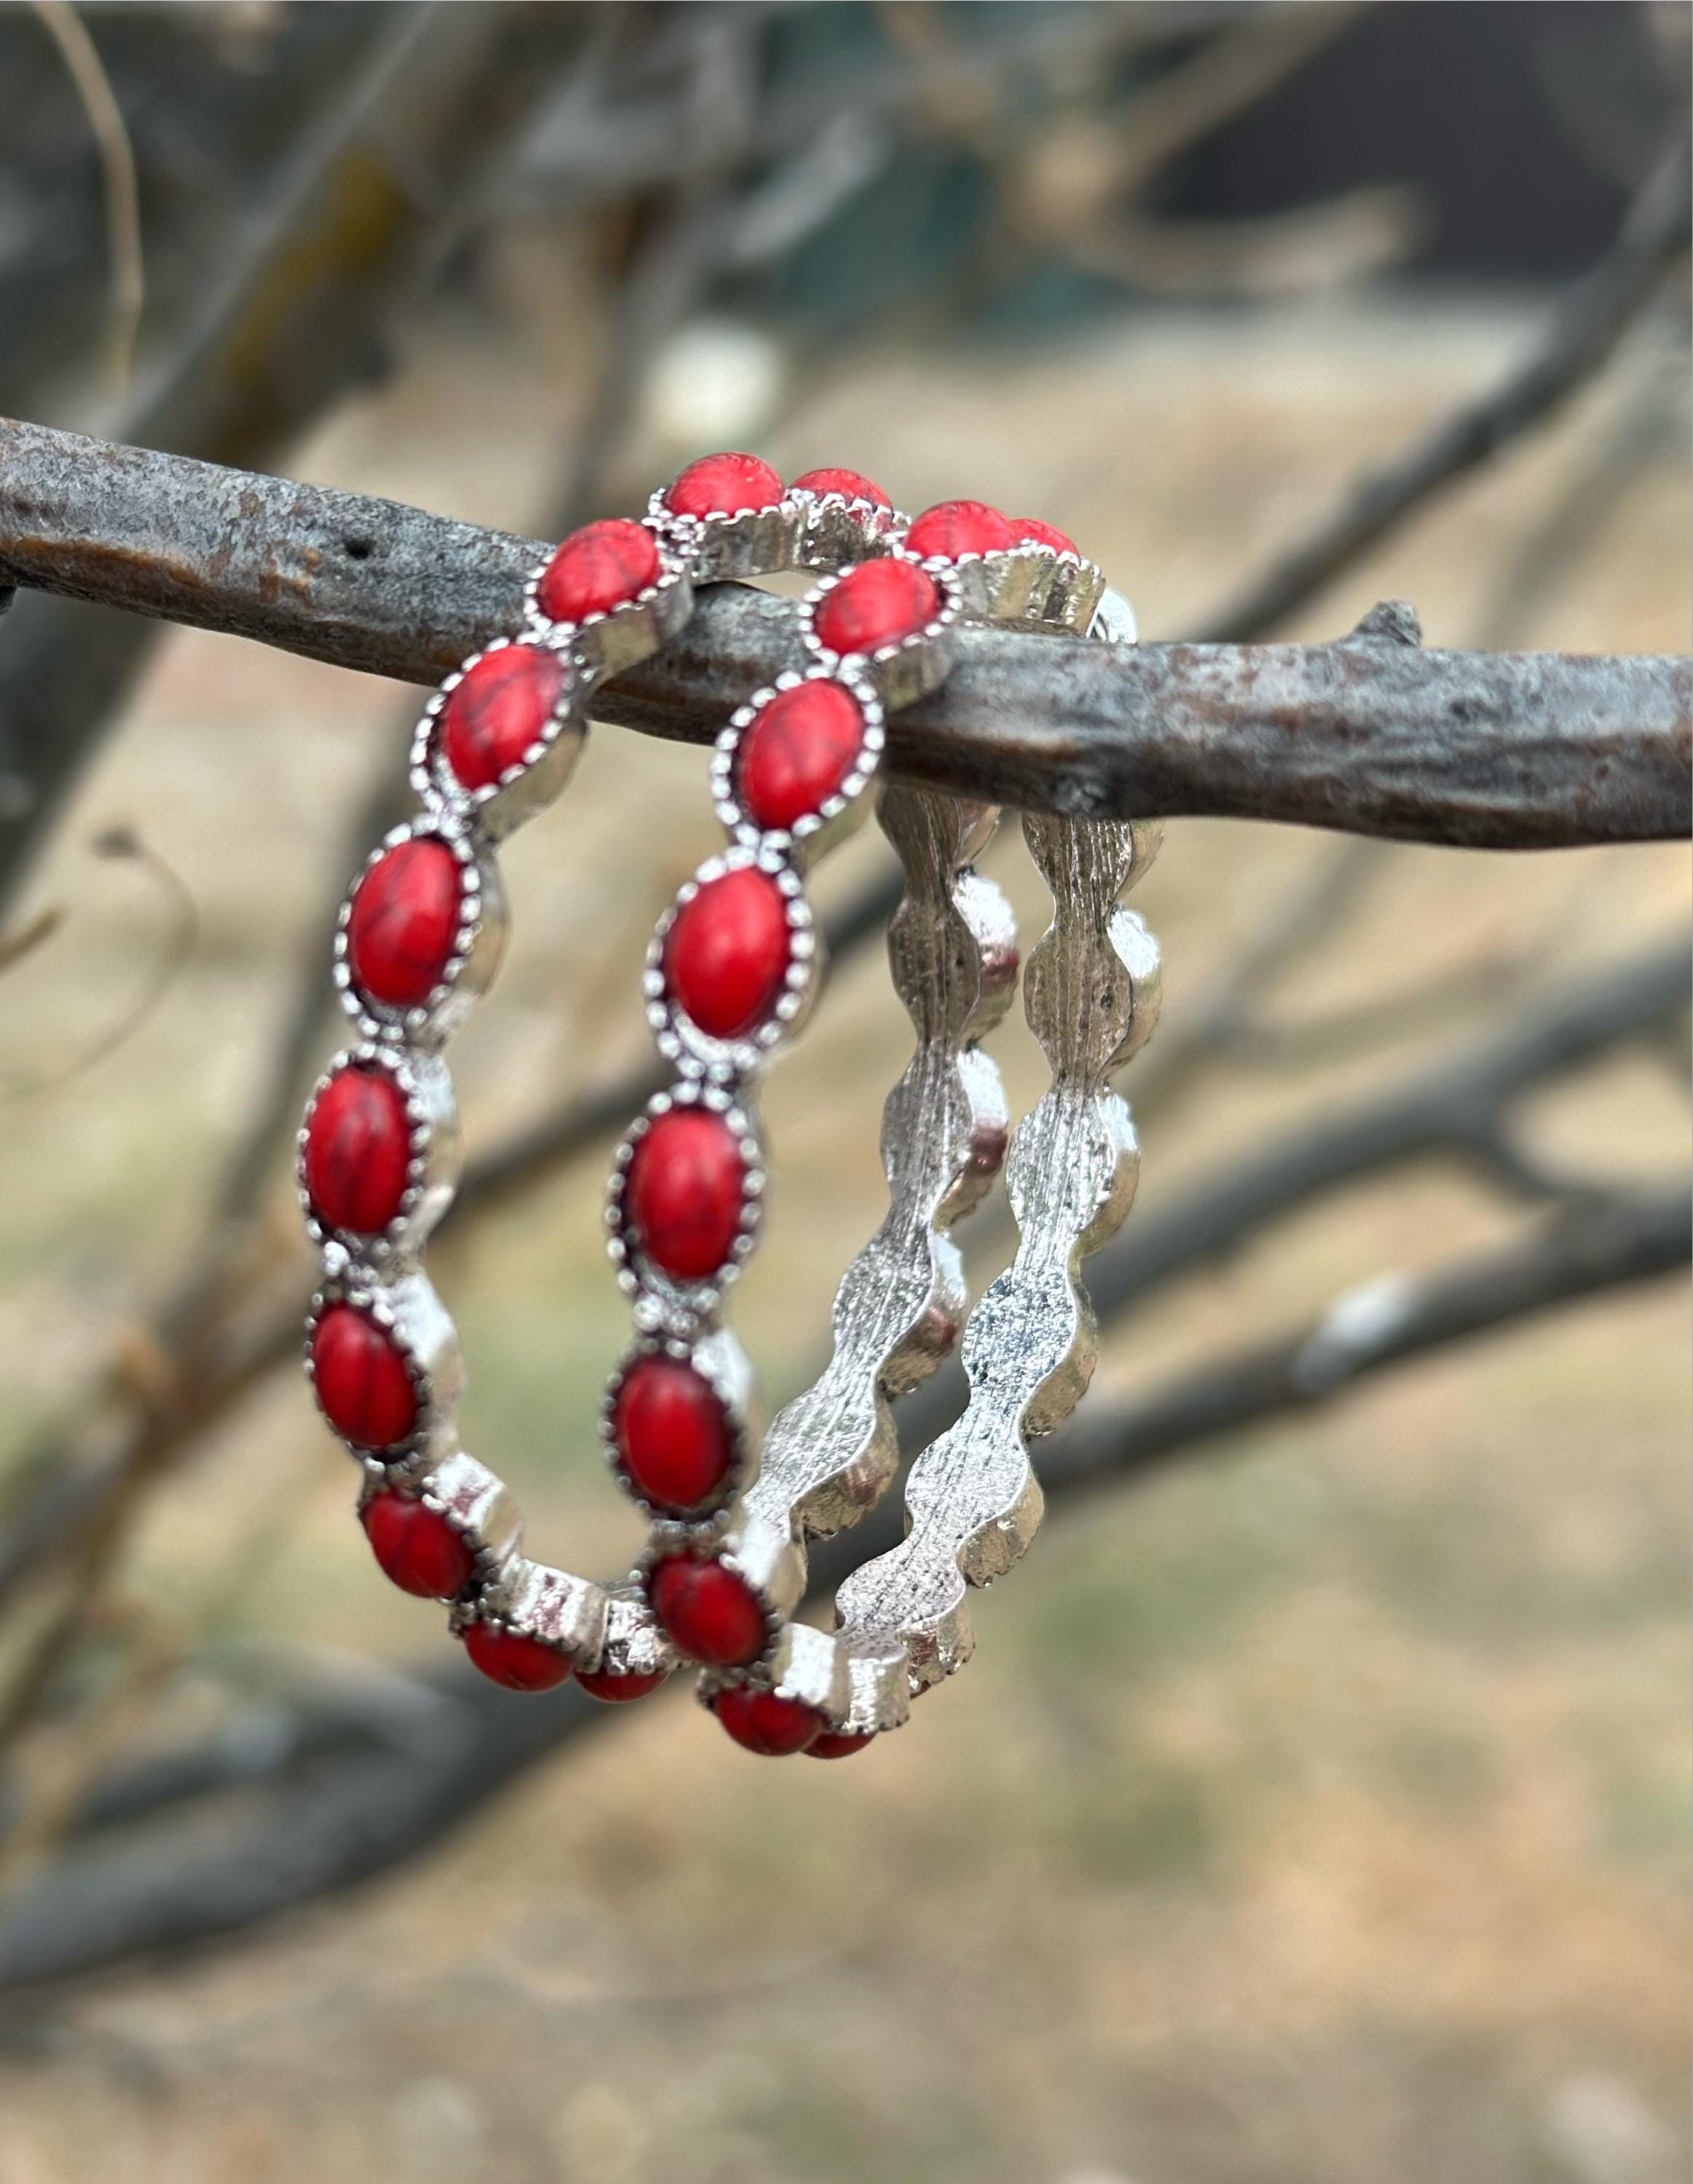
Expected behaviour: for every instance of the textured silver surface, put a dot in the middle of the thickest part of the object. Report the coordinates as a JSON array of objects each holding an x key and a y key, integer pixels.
[
  {"x": 954, "y": 950},
  {"x": 1091, "y": 992},
  {"x": 952, "y": 947},
  {"x": 973, "y": 1503},
  {"x": 832, "y": 1452}
]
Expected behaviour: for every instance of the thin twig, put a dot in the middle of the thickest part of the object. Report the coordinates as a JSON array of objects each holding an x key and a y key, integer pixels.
[
  {"x": 87, "y": 71},
  {"x": 1577, "y": 344},
  {"x": 167, "y": 966},
  {"x": 367, "y": 199}
]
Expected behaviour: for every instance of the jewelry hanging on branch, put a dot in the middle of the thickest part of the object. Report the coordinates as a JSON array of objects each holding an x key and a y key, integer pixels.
[{"x": 732, "y": 973}]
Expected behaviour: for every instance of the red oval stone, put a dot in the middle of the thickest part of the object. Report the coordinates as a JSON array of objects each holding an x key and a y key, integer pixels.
[
  {"x": 723, "y": 485},
  {"x": 600, "y": 567},
  {"x": 358, "y": 1151},
  {"x": 954, "y": 527},
  {"x": 513, "y": 1658},
  {"x": 712, "y": 1614},
  {"x": 877, "y": 604},
  {"x": 685, "y": 1187},
  {"x": 404, "y": 921},
  {"x": 838, "y": 1745},
  {"x": 851, "y": 485},
  {"x": 416, "y": 1547},
  {"x": 774, "y": 1728},
  {"x": 498, "y": 710},
  {"x": 673, "y": 1434},
  {"x": 1030, "y": 531},
  {"x": 618, "y": 1690},
  {"x": 796, "y": 752},
  {"x": 359, "y": 1372},
  {"x": 726, "y": 955}
]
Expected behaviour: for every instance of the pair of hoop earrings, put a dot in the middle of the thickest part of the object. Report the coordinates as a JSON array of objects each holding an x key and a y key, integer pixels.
[{"x": 733, "y": 968}]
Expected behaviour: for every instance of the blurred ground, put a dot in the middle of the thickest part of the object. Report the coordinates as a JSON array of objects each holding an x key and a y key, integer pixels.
[{"x": 1317, "y": 1813}]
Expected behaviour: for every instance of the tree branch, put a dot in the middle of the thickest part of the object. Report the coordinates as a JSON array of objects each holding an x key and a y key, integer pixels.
[
  {"x": 326, "y": 1827},
  {"x": 1531, "y": 750}
]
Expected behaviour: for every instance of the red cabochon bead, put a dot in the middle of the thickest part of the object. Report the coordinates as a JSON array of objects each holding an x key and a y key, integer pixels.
[
  {"x": 851, "y": 485},
  {"x": 404, "y": 921},
  {"x": 617, "y": 1690},
  {"x": 683, "y": 1197},
  {"x": 772, "y": 1727},
  {"x": 877, "y": 604},
  {"x": 953, "y": 527},
  {"x": 713, "y": 1615},
  {"x": 601, "y": 566},
  {"x": 723, "y": 485},
  {"x": 416, "y": 1547},
  {"x": 511, "y": 1658},
  {"x": 796, "y": 751},
  {"x": 1030, "y": 531},
  {"x": 360, "y": 1378},
  {"x": 498, "y": 710},
  {"x": 726, "y": 954},
  {"x": 358, "y": 1151},
  {"x": 673, "y": 1434},
  {"x": 838, "y": 1745}
]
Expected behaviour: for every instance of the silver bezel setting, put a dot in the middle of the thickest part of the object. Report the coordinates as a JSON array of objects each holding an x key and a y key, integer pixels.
[
  {"x": 474, "y": 958},
  {"x": 433, "y": 1155},
  {"x": 770, "y": 1567},
  {"x": 838, "y": 814},
  {"x": 525, "y": 788},
  {"x": 479, "y": 1506},
  {"x": 663, "y": 1301},
  {"x": 910, "y": 666},
  {"x": 736, "y": 542},
  {"x": 839, "y": 526},
  {"x": 412, "y": 1317},
  {"x": 603, "y": 643},
  {"x": 723, "y": 1365},
  {"x": 679, "y": 1039}
]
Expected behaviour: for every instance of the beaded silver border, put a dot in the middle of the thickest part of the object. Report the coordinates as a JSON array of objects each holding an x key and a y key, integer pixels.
[
  {"x": 723, "y": 1365},
  {"x": 417, "y": 1322},
  {"x": 662, "y": 1301},
  {"x": 434, "y": 1153},
  {"x": 474, "y": 958},
  {"x": 910, "y": 666},
  {"x": 837, "y": 815},
  {"x": 679, "y": 1039},
  {"x": 536, "y": 779}
]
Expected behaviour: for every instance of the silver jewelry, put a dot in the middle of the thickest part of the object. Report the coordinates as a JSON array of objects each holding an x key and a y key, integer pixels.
[
  {"x": 831, "y": 1453},
  {"x": 732, "y": 970},
  {"x": 1091, "y": 991}
]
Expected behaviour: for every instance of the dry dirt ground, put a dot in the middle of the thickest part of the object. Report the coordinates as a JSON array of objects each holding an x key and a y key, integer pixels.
[{"x": 1316, "y": 1815}]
